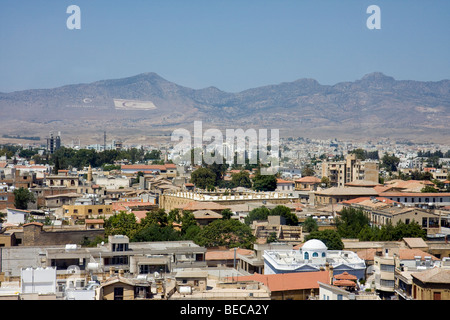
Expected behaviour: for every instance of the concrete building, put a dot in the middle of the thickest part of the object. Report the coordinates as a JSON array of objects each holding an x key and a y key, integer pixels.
[{"x": 351, "y": 169}]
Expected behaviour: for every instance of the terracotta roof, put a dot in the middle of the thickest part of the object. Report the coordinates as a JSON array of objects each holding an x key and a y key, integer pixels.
[
  {"x": 33, "y": 223},
  {"x": 361, "y": 183},
  {"x": 410, "y": 254},
  {"x": 308, "y": 179},
  {"x": 94, "y": 221},
  {"x": 344, "y": 283},
  {"x": 284, "y": 181},
  {"x": 290, "y": 281},
  {"x": 226, "y": 254},
  {"x": 345, "y": 276},
  {"x": 140, "y": 215},
  {"x": 362, "y": 199}
]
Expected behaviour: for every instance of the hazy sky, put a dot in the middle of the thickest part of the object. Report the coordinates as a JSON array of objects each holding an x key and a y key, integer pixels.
[{"x": 231, "y": 44}]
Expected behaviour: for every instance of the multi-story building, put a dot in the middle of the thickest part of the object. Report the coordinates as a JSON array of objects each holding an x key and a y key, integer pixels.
[{"x": 341, "y": 172}]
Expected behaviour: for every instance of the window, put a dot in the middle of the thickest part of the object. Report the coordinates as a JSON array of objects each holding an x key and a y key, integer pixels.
[
  {"x": 387, "y": 283},
  {"x": 339, "y": 297},
  {"x": 424, "y": 222},
  {"x": 118, "y": 293},
  {"x": 387, "y": 267},
  {"x": 306, "y": 256},
  {"x": 407, "y": 221},
  {"x": 323, "y": 254},
  {"x": 315, "y": 255}
]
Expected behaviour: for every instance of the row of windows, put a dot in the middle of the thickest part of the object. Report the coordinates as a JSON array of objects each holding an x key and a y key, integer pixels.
[
  {"x": 426, "y": 200},
  {"x": 314, "y": 255}
]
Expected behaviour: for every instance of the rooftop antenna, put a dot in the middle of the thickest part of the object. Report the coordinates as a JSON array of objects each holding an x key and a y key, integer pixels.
[{"x": 104, "y": 140}]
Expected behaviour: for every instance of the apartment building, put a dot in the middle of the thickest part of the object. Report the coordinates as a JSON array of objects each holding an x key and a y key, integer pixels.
[{"x": 351, "y": 169}]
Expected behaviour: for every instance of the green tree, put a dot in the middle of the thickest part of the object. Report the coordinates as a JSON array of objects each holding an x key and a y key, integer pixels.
[
  {"x": 121, "y": 223},
  {"x": 188, "y": 222},
  {"x": 264, "y": 182},
  {"x": 390, "y": 162},
  {"x": 350, "y": 222},
  {"x": 429, "y": 189},
  {"x": 203, "y": 178},
  {"x": 226, "y": 214},
  {"x": 230, "y": 233},
  {"x": 260, "y": 213},
  {"x": 310, "y": 225},
  {"x": 326, "y": 181},
  {"x": 308, "y": 171},
  {"x": 272, "y": 237},
  {"x": 241, "y": 179},
  {"x": 158, "y": 217},
  {"x": 22, "y": 197},
  {"x": 286, "y": 213},
  {"x": 154, "y": 232}
]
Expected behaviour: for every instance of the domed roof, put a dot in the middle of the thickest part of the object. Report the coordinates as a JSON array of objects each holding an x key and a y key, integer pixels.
[{"x": 314, "y": 244}]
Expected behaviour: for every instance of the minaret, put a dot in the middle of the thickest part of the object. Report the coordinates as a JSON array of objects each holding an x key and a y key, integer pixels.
[{"x": 89, "y": 174}]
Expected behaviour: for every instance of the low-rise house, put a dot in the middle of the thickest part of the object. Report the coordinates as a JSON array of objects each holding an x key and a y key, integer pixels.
[
  {"x": 118, "y": 287},
  {"x": 432, "y": 284},
  {"x": 309, "y": 183}
]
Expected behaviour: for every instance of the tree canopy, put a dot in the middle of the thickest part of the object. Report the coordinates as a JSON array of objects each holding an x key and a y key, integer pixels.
[{"x": 21, "y": 198}]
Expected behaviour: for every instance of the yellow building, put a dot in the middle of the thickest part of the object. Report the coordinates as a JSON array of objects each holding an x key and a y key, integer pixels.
[
  {"x": 432, "y": 284},
  {"x": 86, "y": 211}
]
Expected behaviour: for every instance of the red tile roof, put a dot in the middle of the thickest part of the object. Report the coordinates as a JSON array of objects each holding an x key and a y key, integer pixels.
[
  {"x": 308, "y": 179},
  {"x": 290, "y": 281},
  {"x": 345, "y": 276},
  {"x": 344, "y": 283}
]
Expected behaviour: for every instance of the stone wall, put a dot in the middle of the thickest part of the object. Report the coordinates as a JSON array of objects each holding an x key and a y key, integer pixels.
[{"x": 35, "y": 235}]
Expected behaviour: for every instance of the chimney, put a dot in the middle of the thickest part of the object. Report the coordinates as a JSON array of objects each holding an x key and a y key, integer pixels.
[
  {"x": 330, "y": 270},
  {"x": 111, "y": 271},
  {"x": 121, "y": 273}
]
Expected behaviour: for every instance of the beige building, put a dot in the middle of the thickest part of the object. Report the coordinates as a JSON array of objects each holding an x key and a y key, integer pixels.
[
  {"x": 87, "y": 211},
  {"x": 338, "y": 194},
  {"x": 433, "y": 284},
  {"x": 309, "y": 183},
  {"x": 181, "y": 199},
  {"x": 349, "y": 170}
]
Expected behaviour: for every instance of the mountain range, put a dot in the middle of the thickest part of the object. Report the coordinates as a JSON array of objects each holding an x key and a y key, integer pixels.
[{"x": 377, "y": 105}]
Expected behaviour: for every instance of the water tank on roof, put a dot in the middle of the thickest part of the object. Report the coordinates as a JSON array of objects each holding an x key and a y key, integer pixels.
[
  {"x": 185, "y": 290},
  {"x": 71, "y": 246}
]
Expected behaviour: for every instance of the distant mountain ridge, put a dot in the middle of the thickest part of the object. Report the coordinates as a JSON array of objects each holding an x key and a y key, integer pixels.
[{"x": 376, "y": 104}]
